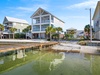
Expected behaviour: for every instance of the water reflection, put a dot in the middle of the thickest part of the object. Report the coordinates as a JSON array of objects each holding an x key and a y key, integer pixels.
[
  {"x": 56, "y": 61},
  {"x": 21, "y": 54},
  {"x": 14, "y": 57},
  {"x": 49, "y": 63},
  {"x": 1, "y": 61}
]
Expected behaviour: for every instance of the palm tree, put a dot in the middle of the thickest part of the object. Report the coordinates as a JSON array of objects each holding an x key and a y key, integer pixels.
[
  {"x": 67, "y": 36},
  {"x": 59, "y": 30},
  {"x": 55, "y": 36},
  {"x": 1, "y": 29},
  {"x": 87, "y": 31},
  {"x": 72, "y": 32},
  {"x": 26, "y": 30},
  {"x": 29, "y": 27},
  {"x": 49, "y": 31},
  {"x": 12, "y": 30}
]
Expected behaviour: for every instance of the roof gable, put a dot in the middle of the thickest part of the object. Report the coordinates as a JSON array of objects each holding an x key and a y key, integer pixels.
[
  {"x": 43, "y": 12},
  {"x": 5, "y": 20},
  {"x": 40, "y": 11},
  {"x": 11, "y": 19},
  {"x": 98, "y": 6}
]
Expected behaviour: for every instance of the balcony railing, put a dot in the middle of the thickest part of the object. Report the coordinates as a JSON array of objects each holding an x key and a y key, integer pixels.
[
  {"x": 10, "y": 25},
  {"x": 6, "y": 31},
  {"x": 44, "y": 21}
]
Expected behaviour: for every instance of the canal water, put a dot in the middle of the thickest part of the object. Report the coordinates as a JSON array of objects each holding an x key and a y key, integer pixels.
[{"x": 29, "y": 62}]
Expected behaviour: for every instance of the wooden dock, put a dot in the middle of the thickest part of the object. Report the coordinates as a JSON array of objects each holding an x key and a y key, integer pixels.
[{"x": 5, "y": 47}]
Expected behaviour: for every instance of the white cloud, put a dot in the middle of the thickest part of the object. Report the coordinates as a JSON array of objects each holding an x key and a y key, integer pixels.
[
  {"x": 26, "y": 11},
  {"x": 85, "y": 4},
  {"x": 25, "y": 8},
  {"x": 32, "y": 8}
]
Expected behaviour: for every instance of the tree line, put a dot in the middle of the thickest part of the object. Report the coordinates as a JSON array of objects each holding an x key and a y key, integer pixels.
[{"x": 51, "y": 32}]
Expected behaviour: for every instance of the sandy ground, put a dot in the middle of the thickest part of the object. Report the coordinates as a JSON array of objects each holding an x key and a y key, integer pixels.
[{"x": 73, "y": 46}]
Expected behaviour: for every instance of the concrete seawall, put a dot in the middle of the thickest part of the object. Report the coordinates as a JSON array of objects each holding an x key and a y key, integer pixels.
[
  {"x": 5, "y": 47},
  {"x": 93, "y": 43},
  {"x": 70, "y": 47}
]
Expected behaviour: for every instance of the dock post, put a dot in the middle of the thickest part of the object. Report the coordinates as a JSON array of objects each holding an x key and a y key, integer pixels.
[{"x": 40, "y": 48}]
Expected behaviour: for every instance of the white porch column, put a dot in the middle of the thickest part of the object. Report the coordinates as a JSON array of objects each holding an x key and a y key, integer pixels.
[
  {"x": 50, "y": 25},
  {"x": 39, "y": 35},
  {"x": 40, "y": 22},
  {"x": 32, "y": 29},
  {"x": 40, "y": 27},
  {"x": 50, "y": 19},
  {"x": 32, "y": 25}
]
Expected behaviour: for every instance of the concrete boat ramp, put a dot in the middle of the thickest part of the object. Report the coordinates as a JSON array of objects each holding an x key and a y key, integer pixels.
[{"x": 74, "y": 47}]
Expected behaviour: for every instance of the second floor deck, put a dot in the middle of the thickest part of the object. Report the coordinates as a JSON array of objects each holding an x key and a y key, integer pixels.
[{"x": 44, "y": 19}]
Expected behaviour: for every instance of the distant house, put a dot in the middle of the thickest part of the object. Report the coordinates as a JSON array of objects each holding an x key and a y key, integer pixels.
[
  {"x": 41, "y": 19},
  {"x": 61, "y": 36},
  {"x": 70, "y": 29},
  {"x": 19, "y": 24},
  {"x": 78, "y": 33},
  {"x": 96, "y": 20}
]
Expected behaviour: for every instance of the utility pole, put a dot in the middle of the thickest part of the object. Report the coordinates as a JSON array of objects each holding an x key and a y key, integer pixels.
[{"x": 90, "y": 27}]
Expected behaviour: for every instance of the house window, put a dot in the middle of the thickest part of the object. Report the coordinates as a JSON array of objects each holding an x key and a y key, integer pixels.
[
  {"x": 38, "y": 21},
  {"x": 36, "y": 28},
  {"x": 43, "y": 27},
  {"x": 18, "y": 30},
  {"x": 97, "y": 24}
]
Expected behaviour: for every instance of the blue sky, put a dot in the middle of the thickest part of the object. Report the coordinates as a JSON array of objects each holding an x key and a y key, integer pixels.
[{"x": 72, "y": 12}]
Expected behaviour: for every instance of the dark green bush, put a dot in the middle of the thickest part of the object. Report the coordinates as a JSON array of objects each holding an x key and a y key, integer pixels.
[{"x": 19, "y": 36}]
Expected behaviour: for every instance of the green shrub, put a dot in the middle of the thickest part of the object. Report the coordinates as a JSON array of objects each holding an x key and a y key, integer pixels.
[
  {"x": 82, "y": 42},
  {"x": 19, "y": 36}
]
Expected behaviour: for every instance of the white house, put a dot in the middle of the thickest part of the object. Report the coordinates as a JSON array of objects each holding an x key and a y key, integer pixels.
[
  {"x": 72, "y": 29},
  {"x": 19, "y": 24},
  {"x": 78, "y": 33},
  {"x": 41, "y": 19},
  {"x": 96, "y": 21}
]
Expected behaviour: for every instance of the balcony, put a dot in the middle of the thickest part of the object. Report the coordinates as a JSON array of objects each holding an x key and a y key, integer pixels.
[
  {"x": 36, "y": 28},
  {"x": 10, "y": 25},
  {"x": 45, "y": 21},
  {"x": 6, "y": 31}
]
